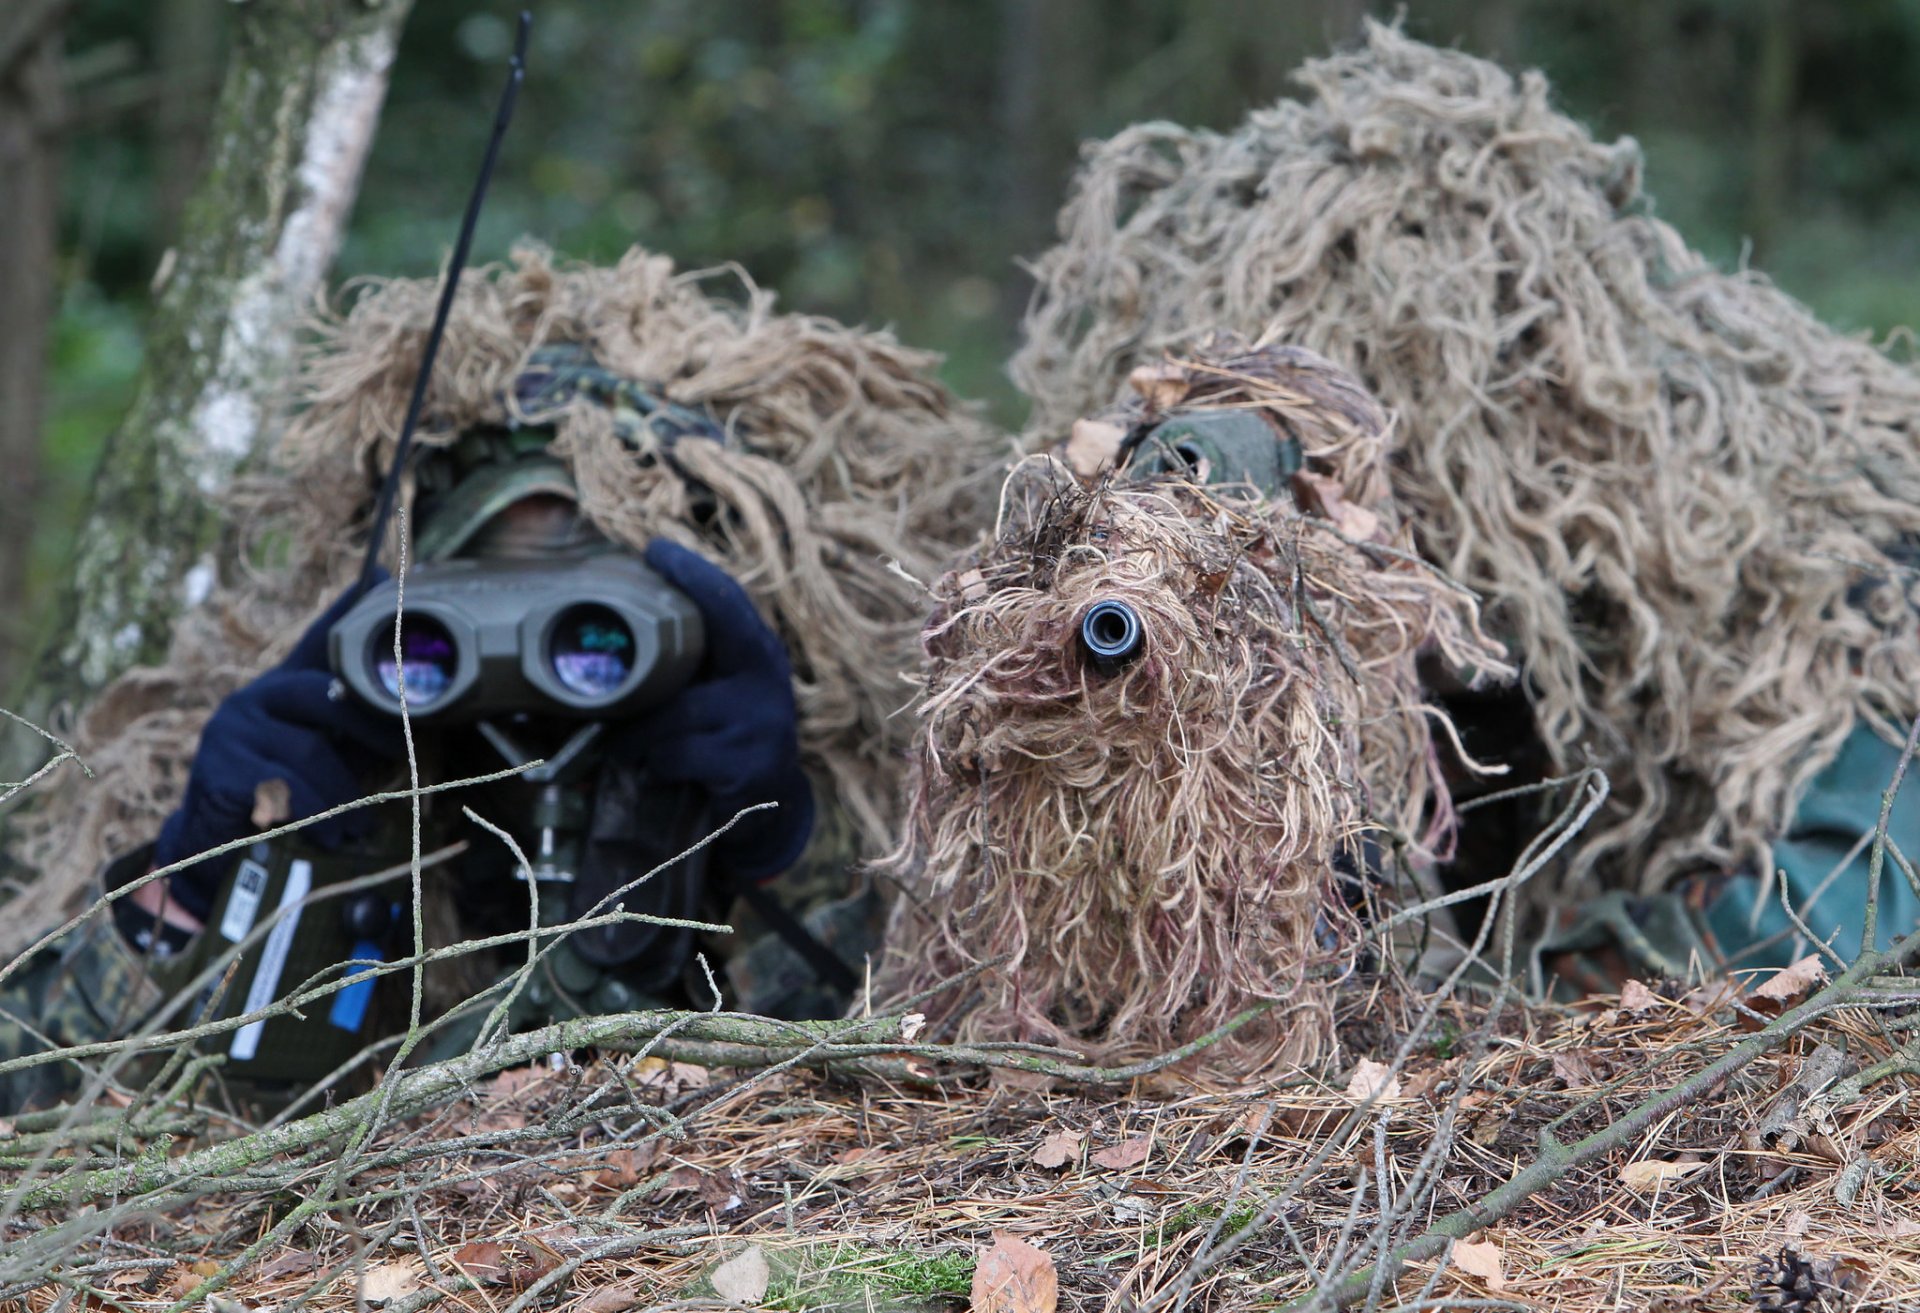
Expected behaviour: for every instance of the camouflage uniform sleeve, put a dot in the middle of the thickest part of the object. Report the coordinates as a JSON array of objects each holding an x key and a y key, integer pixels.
[{"x": 88, "y": 986}]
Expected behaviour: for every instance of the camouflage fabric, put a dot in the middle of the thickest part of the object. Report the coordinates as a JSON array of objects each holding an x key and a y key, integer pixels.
[
  {"x": 1225, "y": 446},
  {"x": 95, "y": 985},
  {"x": 88, "y": 987}
]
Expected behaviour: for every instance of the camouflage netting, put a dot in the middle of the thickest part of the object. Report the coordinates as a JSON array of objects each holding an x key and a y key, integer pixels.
[
  {"x": 843, "y": 454},
  {"x": 1153, "y": 848},
  {"x": 1681, "y": 495}
]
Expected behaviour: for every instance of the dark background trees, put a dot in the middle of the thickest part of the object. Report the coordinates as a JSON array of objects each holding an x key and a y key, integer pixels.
[{"x": 883, "y": 161}]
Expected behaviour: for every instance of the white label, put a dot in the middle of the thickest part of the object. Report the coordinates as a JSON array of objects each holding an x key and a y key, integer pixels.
[
  {"x": 273, "y": 959},
  {"x": 243, "y": 904}
]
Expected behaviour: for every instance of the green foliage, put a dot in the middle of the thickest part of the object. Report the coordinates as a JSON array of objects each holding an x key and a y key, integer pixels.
[
  {"x": 887, "y": 162},
  {"x": 841, "y": 1275}
]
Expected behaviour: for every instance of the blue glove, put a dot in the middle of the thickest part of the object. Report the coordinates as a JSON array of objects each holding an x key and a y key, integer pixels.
[
  {"x": 281, "y": 726},
  {"x": 733, "y": 731}
]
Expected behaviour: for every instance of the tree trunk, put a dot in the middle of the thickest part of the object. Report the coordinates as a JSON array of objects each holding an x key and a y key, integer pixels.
[
  {"x": 296, "y": 116},
  {"x": 30, "y": 113}
]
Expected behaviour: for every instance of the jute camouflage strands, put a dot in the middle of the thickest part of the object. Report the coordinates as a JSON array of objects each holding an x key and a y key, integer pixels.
[
  {"x": 1682, "y": 497},
  {"x": 841, "y": 462},
  {"x": 1154, "y": 848}
]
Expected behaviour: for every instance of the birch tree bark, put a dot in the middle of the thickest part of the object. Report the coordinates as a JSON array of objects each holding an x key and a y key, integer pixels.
[{"x": 295, "y": 119}]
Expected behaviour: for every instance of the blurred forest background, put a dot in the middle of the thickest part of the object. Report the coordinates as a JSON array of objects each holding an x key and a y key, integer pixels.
[{"x": 889, "y": 161}]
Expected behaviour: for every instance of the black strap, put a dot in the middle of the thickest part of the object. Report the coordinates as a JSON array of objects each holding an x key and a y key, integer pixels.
[{"x": 825, "y": 962}]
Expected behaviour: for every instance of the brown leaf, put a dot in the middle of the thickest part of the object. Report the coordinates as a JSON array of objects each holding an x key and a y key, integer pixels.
[
  {"x": 1573, "y": 1069},
  {"x": 527, "y": 1264},
  {"x": 386, "y": 1282},
  {"x": 1649, "y": 1173},
  {"x": 744, "y": 1277},
  {"x": 626, "y": 1167},
  {"x": 1059, "y": 1149},
  {"x": 1480, "y": 1259},
  {"x": 1370, "y": 1076},
  {"x": 1162, "y": 386},
  {"x": 1014, "y": 1277},
  {"x": 204, "y": 1267},
  {"x": 1789, "y": 984},
  {"x": 1091, "y": 447},
  {"x": 611, "y": 1299},
  {"x": 1130, "y": 1152},
  {"x": 483, "y": 1260},
  {"x": 1635, "y": 997},
  {"x": 293, "y": 1263},
  {"x": 513, "y": 1081},
  {"x": 1356, "y": 522}
]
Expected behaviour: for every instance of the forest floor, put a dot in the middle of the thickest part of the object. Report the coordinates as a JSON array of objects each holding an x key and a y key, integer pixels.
[{"x": 712, "y": 1188}]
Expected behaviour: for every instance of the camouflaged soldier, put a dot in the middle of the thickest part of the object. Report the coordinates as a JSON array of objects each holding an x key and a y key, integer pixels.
[{"x": 613, "y": 802}]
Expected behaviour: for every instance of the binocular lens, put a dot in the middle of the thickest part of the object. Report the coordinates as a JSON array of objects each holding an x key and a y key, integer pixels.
[
  {"x": 592, "y": 652},
  {"x": 426, "y": 655}
]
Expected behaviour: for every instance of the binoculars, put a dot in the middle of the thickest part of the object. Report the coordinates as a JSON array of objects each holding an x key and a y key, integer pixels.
[{"x": 589, "y": 637}]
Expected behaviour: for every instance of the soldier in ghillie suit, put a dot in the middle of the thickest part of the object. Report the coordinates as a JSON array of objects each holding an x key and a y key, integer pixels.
[
  {"x": 1173, "y": 727},
  {"x": 783, "y": 476},
  {"x": 1691, "y": 509}
]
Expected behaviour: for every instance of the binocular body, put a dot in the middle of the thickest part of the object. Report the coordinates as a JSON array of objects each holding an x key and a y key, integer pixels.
[{"x": 592, "y": 636}]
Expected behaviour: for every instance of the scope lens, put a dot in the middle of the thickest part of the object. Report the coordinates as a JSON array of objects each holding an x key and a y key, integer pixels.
[
  {"x": 426, "y": 655},
  {"x": 592, "y": 652}
]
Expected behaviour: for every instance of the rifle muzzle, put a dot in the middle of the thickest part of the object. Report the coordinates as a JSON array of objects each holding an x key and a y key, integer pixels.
[{"x": 1111, "y": 634}]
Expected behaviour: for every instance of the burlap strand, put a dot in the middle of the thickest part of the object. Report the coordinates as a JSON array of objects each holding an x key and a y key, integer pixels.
[{"x": 1681, "y": 494}]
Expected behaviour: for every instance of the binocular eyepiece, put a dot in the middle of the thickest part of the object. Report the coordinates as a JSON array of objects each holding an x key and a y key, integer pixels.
[
  {"x": 1111, "y": 634},
  {"x": 587, "y": 637}
]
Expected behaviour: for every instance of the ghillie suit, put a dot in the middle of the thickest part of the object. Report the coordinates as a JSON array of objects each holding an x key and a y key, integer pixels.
[
  {"x": 1682, "y": 497},
  {"x": 839, "y": 452},
  {"x": 1153, "y": 846}
]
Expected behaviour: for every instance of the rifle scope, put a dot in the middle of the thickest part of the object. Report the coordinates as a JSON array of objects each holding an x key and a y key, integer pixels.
[
  {"x": 585, "y": 637},
  {"x": 1111, "y": 634}
]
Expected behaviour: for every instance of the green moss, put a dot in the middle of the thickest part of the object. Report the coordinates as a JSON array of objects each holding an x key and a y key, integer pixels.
[
  {"x": 843, "y": 1276},
  {"x": 1198, "y": 1215}
]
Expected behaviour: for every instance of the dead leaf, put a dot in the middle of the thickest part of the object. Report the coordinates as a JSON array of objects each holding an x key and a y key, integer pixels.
[
  {"x": 226, "y": 1304},
  {"x": 293, "y": 1263},
  {"x": 204, "y": 1267},
  {"x": 1130, "y": 1152},
  {"x": 1092, "y": 446},
  {"x": 386, "y": 1282},
  {"x": 1356, "y": 522},
  {"x": 1014, "y": 1277},
  {"x": 626, "y": 1167},
  {"x": 1894, "y": 1228},
  {"x": 1635, "y": 997},
  {"x": 912, "y": 1024},
  {"x": 1059, "y": 1149},
  {"x": 744, "y": 1277},
  {"x": 610, "y": 1299},
  {"x": 1162, "y": 386},
  {"x": 1369, "y": 1077},
  {"x": 527, "y": 1265},
  {"x": 1573, "y": 1069},
  {"x": 1480, "y": 1259},
  {"x": 1789, "y": 983},
  {"x": 483, "y": 1260},
  {"x": 512, "y": 1081},
  {"x": 1649, "y": 1173}
]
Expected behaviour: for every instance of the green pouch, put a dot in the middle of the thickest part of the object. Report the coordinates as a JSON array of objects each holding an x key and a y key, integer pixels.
[{"x": 305, "y": 932}]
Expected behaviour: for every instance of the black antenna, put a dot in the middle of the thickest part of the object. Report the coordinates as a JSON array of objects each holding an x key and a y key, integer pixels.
[{"x": 516, "y": 70}]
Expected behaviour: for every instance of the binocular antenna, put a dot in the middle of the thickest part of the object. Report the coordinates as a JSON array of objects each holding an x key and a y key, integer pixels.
[{"x": 516, "y": 70}]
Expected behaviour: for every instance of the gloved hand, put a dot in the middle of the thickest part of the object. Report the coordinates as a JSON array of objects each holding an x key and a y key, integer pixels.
[
  {"x": 281, "y": 726},
  {"x": 734, "y": 730}
]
